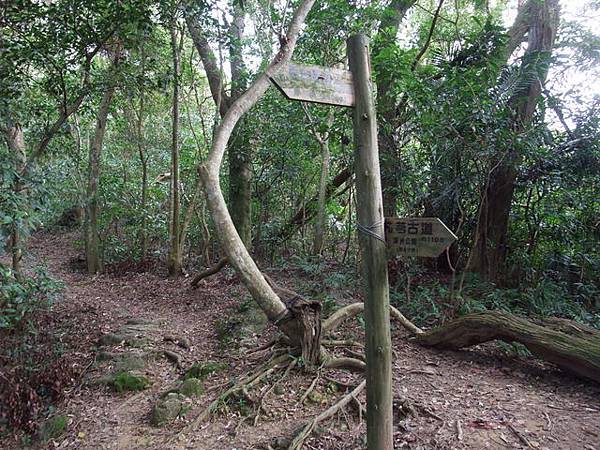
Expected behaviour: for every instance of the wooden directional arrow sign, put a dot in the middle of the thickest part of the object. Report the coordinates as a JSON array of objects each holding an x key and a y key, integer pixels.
[
  {"x": 316, "y": 84},
  {"x": 417, "y": 236}
]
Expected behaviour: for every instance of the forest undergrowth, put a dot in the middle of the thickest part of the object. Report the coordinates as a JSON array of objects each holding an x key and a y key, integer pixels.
[{"x": 51, "y": 389}]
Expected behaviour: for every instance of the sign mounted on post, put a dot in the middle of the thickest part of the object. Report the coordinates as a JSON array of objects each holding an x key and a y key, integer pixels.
[
  {"x": 353, "y": 88},
  {"x": 417, "y": 236},
  {"x": 315, "y": 84}
]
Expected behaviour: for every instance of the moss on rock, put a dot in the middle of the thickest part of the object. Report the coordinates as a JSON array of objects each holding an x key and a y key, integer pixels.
[
  {"x": 204, "y": 369},
  {"x": 125, "y": 381},
  {"x": 191, "y": 387}
]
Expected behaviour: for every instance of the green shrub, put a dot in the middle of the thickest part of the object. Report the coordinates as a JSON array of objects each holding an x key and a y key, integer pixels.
[{"x": 21, "y": 299}]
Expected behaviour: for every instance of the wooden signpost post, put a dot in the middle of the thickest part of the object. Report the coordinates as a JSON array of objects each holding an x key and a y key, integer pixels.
[
  {"x": 413, "y": 237},
  {"x": 378, "y": 341}
]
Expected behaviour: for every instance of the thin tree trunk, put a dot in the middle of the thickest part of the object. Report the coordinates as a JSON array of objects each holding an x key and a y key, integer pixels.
[
  {"x": 322, "y": 202},
  {"x": 174, "y": 261},
  {"x": 309, "y": 208},
  {"x": 321, "y": 222},
  {"x": 141, "y": 144},
  {"x": 189, "y": 213},
  {"x": 92, "y": 236},
  {"x": 16, "y": 143}
]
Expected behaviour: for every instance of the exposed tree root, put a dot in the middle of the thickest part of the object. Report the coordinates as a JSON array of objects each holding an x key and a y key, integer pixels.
[
  {"x": 208, "y": 272},
  {"x": 175, "y": 358},
  {"x": 241, "y": 387},
  {"x": 260, "y": 406},
  {"x": 354, "y": 309},
  {"x": 341, "y": 343},
  {"x": 310, "y": 388},
  {"x": 329, "y": 412},
  {"x": 351, "y": 364}
]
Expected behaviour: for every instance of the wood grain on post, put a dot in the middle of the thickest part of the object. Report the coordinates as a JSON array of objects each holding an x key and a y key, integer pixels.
[{"x": 372, "y": 244}]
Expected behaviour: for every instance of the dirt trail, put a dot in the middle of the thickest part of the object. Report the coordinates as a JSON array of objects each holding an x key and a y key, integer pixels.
[{"x": 471, "y": 399}]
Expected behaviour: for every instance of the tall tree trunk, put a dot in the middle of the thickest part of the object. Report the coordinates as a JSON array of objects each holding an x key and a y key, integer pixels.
[
  {"x": 492, "y": 244},
  {"x": 16, "y": 144},
  {"x": 92, "y": 237},
  {"x": 386, "y": 105},
  {"x": 93, "y": 250},
  {"x": 141, "y": 144},
  {"x": 239, "y": 151},
  {"x": 174, "y": 262},
  {"x": 240, "y": 183}
]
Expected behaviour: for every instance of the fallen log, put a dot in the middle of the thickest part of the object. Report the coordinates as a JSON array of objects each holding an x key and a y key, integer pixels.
[{"x": 571, "y": 347}]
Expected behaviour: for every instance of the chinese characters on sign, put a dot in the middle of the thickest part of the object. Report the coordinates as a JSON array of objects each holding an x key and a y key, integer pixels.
[
  {"x": 316, "y": 84},
  {"x": 418, "y": 236}
]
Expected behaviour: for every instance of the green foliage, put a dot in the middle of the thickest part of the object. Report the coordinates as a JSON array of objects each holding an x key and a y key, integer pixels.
[
  {"x": 19, "y": 300},
  {"x": 431, "y": 301},
  {"x": 449, "y": 118},
  {"x": 426, "y": 303}
]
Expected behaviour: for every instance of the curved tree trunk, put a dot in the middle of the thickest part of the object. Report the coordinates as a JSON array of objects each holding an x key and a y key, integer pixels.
[
  {"x": 291, "y": 316},
  {"x": 570, "y": 346}
]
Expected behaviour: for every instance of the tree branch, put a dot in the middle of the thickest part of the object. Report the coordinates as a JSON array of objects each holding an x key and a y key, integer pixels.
[
  {"x": 209, "y": 61},
  {"x": 436, "y": 15}
]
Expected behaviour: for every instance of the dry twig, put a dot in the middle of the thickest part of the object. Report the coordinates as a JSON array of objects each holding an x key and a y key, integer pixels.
[{"x": 309, "y": 427}]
